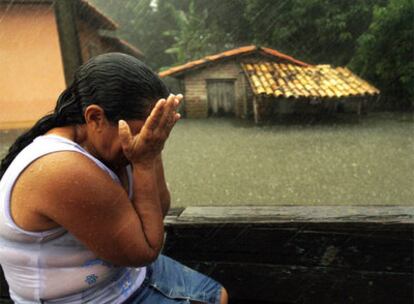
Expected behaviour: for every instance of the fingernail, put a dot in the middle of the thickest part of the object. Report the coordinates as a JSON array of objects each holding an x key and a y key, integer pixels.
[{"x": 179, "y": 96}]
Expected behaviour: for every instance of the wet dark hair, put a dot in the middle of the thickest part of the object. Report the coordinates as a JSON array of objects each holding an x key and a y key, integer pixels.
[{"x": 123, "y": 86}]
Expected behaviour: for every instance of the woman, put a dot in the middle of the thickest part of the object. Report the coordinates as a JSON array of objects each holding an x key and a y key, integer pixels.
[{"x": 83, "y": 196}]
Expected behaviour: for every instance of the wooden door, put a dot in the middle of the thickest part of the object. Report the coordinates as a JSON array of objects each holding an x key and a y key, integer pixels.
[{"x": 221, "y": 97}]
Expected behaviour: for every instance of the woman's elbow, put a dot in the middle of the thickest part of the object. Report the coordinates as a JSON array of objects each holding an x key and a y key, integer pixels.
[
  {"x": 141, "y": 258},
  {"x": 131, "y": 257}
]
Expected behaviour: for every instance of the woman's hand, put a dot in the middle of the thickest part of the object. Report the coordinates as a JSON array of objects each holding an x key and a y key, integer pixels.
[{"x": 143, "y": 148}]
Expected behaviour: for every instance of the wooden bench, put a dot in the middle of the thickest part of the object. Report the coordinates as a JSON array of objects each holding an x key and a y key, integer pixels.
[{"x": 332, "y": 254}]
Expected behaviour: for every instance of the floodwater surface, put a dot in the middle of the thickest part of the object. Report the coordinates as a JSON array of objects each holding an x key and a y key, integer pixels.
[
  {"x": 229, "y": 162},
  {"x": 224, "y": 161}
]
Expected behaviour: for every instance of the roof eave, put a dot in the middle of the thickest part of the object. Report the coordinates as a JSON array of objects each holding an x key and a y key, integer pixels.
[
  {"x": 123, "y": 44},
  {"x": 105, "y": 22},
  {"x": 83, "y": 6},
  {"x": 229, "y": 54}
]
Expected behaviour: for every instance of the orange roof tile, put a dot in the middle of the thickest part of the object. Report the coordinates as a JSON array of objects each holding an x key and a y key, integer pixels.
[
  {"x": 319, "y": 81},
  {"x": 250, "y": 49}
]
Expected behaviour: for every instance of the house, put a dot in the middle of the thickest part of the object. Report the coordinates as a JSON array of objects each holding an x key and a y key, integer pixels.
[
  {"x": 41, "y": 43},
  {"x": 258, "y": 82}
]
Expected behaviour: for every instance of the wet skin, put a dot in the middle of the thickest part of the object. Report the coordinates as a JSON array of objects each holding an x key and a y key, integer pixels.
[{"x": 67, "y": 189}]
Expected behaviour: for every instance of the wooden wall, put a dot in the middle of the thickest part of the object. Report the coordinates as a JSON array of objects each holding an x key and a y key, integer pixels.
[
  {"x": 89, "y": 40},
  {"x": 195, "y": 86}
]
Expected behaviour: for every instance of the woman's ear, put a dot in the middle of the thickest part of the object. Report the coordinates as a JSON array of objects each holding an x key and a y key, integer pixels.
[{"x": 95, "y": 117}]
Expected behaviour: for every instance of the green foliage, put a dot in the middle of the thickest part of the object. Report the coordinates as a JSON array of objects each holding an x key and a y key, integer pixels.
[
  {"x": 193, "y": 38},
  {"x": 316, "y": 31},
  {"x": 385, "y": 53},
  {"x": 375, "y": 36}
]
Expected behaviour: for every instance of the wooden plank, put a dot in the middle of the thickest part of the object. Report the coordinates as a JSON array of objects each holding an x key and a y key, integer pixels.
[
  {"x": 375, "y": 249},
  {"x": 221, "y": 96},
  {"x": 275, "y": 214},
  {"x": 258, "y": 283},
  {"x": 317, "y": 254}
]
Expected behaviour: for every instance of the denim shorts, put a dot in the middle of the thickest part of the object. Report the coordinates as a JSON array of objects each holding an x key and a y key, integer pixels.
[{"x": 169, "y": 282}]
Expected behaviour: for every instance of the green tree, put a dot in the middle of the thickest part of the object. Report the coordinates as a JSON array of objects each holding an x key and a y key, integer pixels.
[
  {"x": 376, "y": 34},
  {"x": 385, "y": 53},
  {"x": 229, "y": 17},
  {"x": 316, "y": 31},
  {"x": 193, "y": 38}
]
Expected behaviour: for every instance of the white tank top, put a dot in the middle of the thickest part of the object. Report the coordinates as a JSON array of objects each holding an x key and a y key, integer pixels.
[{"x": 53, "y": 266}]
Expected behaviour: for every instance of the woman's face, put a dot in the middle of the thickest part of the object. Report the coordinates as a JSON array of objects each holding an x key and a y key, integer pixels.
[{"x": 109, "y": 144}]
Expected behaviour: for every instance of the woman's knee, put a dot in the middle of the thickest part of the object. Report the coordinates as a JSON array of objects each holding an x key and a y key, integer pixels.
[{"x": 224, "y": 299}]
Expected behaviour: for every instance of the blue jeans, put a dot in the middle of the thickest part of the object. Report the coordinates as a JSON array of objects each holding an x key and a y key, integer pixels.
[{"x": 169, "y": 282}]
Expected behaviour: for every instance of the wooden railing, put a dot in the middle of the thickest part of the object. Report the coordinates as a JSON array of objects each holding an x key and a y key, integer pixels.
[{"x": 300, "y": 254}]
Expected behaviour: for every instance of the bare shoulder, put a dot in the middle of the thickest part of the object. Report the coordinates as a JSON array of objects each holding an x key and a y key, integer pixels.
[
  {"x": 67, "y": 176},
  {"x": 70, "y": 190},
  {"x": 64, "y": 167},
  {"x": 62, "y": 187},
  {"x": 55, "y": 179}
]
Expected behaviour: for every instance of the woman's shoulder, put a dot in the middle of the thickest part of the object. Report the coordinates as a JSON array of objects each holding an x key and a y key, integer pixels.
[
  {"x": 51, "y": 181},
  {"x": 61, "y": 171},
  {"x": 64, "y": 166}
]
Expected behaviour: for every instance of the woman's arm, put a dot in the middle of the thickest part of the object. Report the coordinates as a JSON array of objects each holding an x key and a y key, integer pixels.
[
  {"x": 69, "y": 189},
  {"x": 164, "y": 193}
]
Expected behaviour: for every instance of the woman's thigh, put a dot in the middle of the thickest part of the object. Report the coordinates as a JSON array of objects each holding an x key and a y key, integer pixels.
[{"x": 169, "y": 282}]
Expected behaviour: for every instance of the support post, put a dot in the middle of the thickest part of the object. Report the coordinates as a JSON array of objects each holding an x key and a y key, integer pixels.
[
  {"x": 256, "y": 110},
  {"x": 65, "y": 12},
  {"x": 359, "y": 107}
]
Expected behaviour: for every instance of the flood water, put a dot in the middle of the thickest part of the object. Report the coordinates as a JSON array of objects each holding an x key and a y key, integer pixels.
[
  {"x": 228, "y": 162},
  {"x": 224, "y": 161}
]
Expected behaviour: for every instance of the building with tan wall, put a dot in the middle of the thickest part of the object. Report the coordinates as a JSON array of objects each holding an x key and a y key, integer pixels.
[{"x": 32, "y": 68}]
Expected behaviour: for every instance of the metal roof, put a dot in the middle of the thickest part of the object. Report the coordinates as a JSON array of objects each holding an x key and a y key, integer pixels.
[{"x": 318, "y": 81}]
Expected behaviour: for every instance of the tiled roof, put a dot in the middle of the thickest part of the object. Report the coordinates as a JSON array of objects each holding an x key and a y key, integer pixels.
[
  {"x": 228, "y": 54},
  {"x": 319, "y": 81}
]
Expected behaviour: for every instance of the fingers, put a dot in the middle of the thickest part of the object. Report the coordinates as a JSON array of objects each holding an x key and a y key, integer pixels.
[
  {"x": 124, "y": 132},
  {"x": 163, "y": 116},
  {"x": 174, "y": 115},
  {"x": 169, "y": 111},
  {"x": 153, "y": 120},
  {"x": 177, "y": 116}
]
